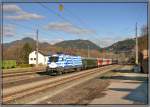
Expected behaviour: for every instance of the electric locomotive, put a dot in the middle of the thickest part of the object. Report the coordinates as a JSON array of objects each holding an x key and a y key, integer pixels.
[{"x": 59, "y": 64}]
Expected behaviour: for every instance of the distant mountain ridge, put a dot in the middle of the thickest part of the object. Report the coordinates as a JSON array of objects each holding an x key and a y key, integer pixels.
[
  {"x": 124, "y": 45},
  {"x": 22, "y": 41},
  {"x": 78, "y": 44},
  {"x": 76, "y": 47}
]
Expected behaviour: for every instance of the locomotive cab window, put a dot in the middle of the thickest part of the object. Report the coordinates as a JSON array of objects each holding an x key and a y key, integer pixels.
[
  {"x": 53, "y": 59},
  {"x": 62, "y": 59}
]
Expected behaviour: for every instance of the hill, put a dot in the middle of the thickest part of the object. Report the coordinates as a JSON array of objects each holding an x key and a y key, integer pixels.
[
  {"x": 23, "y": 41},
  {"x": 125, "y": 45},
  {"x": 32, "y": 42},
  {"x": 13, "y": 49},
  {"x": 78, "y": 44},
  {"x": 143, "y": 42}
]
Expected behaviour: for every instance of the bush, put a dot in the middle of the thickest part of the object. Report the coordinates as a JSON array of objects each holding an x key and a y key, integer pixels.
[
  {"x": 32, "y": 65},
  {"x": 24, "y": 65},
  {"x": 8, "y": 64}
]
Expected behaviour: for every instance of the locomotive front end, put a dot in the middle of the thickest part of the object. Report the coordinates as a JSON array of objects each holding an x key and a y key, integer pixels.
[{"x": 52, "y": 65}]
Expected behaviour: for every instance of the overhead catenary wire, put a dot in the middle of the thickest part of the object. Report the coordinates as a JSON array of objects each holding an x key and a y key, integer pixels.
[
  {"x": 29, "y": 28},
  {"x": 60, "y": 16},
  {"x": 76, "y": 17},
  {"x": 54, "y": 12},
  {"x": 57, "y": 14},
  {"x": 80, "y": 21}
]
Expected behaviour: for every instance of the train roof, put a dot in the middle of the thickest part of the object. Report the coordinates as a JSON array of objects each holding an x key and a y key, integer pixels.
[{"x": 64, "y": 55}]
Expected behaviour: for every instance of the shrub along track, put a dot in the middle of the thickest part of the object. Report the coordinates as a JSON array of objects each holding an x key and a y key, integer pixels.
[{"x": 25, "y": 90}]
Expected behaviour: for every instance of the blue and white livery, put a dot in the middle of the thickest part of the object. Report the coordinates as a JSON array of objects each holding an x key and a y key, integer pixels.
[{"x": 60, "y": 63}]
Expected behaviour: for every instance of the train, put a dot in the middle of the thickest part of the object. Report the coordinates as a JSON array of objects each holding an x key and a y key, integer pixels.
[{"x": 61, "y": 63}]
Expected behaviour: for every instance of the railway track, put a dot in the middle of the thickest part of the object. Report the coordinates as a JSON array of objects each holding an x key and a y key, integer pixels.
[
  {"x": 24, "y": 81},
  {"x": 16, "y": 74},
  {"x": 7, "y": 82},
  {"x": 18, "y": 92},
  {"x": 21, "y": 70}
]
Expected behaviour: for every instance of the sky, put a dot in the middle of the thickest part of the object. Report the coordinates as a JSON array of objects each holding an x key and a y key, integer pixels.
[{"x": 102, "y": 23}]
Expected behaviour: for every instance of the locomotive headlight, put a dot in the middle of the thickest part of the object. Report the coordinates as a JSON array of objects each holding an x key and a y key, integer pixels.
[{"x": 52, "y": 65}]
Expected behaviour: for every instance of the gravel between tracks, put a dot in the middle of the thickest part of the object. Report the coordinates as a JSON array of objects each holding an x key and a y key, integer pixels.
[
  {"x": 46, "y": 94},
  {"x": 36, "y": 101},
  {"x": 99, "y": 90},
  {"x": 82, "y": 93},
  {"x": 37, "y": 83},
  {"x": 25, "y": 81}
]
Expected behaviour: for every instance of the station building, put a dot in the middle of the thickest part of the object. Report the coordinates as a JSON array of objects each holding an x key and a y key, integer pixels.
[{"x": 42, "y": 58}]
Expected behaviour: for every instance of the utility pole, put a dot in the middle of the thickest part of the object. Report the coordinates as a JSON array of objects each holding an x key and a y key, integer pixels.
[
  {"x": 88, "y": 52},
  {"x": 136, "y": 47},
  {"x": 37, "y": 47}
]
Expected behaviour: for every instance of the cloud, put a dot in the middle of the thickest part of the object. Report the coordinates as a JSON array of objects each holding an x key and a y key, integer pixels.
[
  {"x": 9, "y": 30},
  {"x": 25, "y": 16},
  {"x": 68, "y": 28},
  {"x": 11, "y": 9},
  {"x": 18, "y": 14},
  {"x": 30, "y": 34}
]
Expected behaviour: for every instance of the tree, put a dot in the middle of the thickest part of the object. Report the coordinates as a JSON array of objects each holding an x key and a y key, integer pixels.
[
  {"x": 144, "y": 30},
  {"x": 143, "y": 39},
  {"x": 25, "y": 51}
]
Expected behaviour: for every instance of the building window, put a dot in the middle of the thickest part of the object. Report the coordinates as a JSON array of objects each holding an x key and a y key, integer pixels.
[
  {"x": 34, "y": 58},
  {"x": 35, "y": 53},
  {"x": 31, "y": 58}
]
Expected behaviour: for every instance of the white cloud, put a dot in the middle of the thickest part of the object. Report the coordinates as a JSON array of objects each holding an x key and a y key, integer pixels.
[
  {"x": 9, "y": 30},
  {"x": 25, "y": 16},
  {"x": 18, "y": 14},
  {"x": 30, "y": 34},
  {"x": 11, "y": 9},
  {"x": 68, "y": 28}
]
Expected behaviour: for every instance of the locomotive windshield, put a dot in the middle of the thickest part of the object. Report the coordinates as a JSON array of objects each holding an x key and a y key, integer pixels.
[{"x": 53, "y": 59}]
